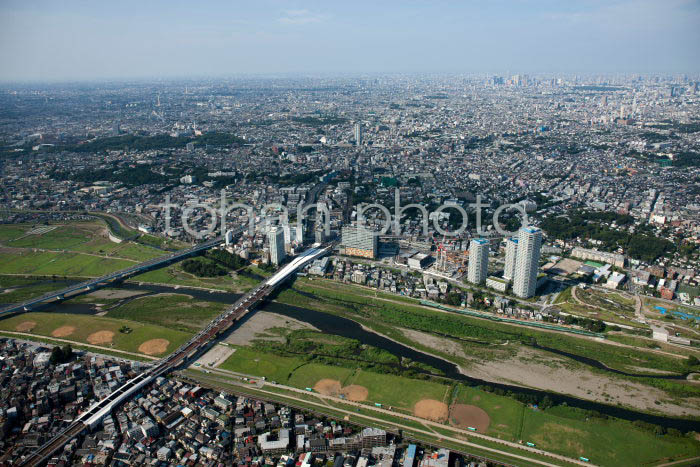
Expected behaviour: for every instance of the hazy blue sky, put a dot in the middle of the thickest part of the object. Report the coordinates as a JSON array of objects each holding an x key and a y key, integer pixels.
[{"x": 58, "y": 40}]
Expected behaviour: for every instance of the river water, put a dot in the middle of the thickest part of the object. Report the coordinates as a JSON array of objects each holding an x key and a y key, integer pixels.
[{"x": 345, "y": 327}]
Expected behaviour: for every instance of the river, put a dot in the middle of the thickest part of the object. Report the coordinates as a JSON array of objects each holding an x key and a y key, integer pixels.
[{"x": 345, "y": 327}]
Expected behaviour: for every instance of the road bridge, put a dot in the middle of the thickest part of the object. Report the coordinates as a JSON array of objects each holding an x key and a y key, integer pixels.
[
  {"x": 99, "y": 282},
  {"x": 93, "y": 416}
]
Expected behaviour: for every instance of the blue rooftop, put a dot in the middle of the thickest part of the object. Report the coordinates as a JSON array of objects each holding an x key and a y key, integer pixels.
[{"x": 480, "y": 241}]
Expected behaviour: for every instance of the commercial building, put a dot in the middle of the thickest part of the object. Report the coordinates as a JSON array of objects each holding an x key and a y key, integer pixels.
[
  {"x": 511, "y": 252},
  {"x": 276, "y": 239},
  {"x": 478, "y": 260},
  {"x": 527, "y": 261},
  {"x": 418, "y": 261},
  {"x": 359, "y": 241},
  {"x": 601, "y": 256}
]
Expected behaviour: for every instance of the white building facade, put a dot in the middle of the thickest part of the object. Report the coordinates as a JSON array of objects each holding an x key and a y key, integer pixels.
[
  {"x": 478, "y": 261},
  {"x": 527, "y": 262}
]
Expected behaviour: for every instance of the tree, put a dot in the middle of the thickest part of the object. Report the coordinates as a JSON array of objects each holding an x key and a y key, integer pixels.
[
  {"x": 546, "y": 402},
  {"x": 61, "y": 355}
]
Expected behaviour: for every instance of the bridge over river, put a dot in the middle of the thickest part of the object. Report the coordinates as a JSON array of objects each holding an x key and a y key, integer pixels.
[{"x": 93, "y": 416}]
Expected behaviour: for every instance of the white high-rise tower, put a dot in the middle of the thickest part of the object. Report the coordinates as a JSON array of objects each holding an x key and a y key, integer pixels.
[
  {"x": 527, "y": 262},
  {"x": 511, "y": 251},
  {"x": 478, "y": 267},
  {"x": 358, "y": 134},
  {"x": 276, "y": 239}
]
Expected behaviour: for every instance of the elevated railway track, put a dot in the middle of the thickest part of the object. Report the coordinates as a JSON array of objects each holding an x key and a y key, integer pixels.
[{"x": 93, "y": 416}]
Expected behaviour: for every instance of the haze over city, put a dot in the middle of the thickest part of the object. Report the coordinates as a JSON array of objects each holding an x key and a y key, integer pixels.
[{"x": 76, "y": 40}]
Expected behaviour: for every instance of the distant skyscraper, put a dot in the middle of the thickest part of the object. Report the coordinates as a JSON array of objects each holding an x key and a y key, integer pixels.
[
  {"x": 478, "y": 267},
  {"x": 527, "y": 262},
  {"x": 276, "y": 239},
  {"x": 511, "y": 251},
  {"x": 358, "y": 134}
]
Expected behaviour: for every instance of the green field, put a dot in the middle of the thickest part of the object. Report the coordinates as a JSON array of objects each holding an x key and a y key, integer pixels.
[
  {"x": 59, "y": 264},
  {"x": 308, "y": 375},
  {"x": 387, "y": 389},
  {"x": 79, "y": 237},
  {"x": 505, "y": 414},
  {"x": 12, "y": 231},
  {"x": 398, "y": 391},
  {"x": 605, "y": 442},
  {"x": 250, "y": 362},
  {"x": 62, "y": 237},
  {"x": 82, "y": 249},
  {"x": 179, "y": 312},
  {"x": 574, "y": 433},
  {"x": 25, "y": 292},
  {"x": 559, "y": 429},
  {"x": 82, "y": 327},
  {"x": 174, "y": 275}
]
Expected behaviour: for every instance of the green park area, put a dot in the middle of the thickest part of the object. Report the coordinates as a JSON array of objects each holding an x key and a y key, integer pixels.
[
  {"x": 613, "y": 442},
  {"x": 250, "y": 362},
  {"x": 487, "y": 339},
  {"x": 174, "y": 311},
  {"x": 559, "y": 429},
  {"x": 129, "y": 336},
  {"x": 611, "y": 307},
  {"x": 83, "y": 249},
  {"x": 391, "y": 390}
]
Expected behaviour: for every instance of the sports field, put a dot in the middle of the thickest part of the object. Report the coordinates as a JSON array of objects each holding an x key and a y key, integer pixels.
[
  {"x": 560, "y": 429},
  {"x": 390, "y": 390},
  {"x": 173, "y": 311},
  {"x": 605, "y": 442},
  {"x": 95, "y": 330},
  {"x": 505, "y": 414},
  {"x": 253, "y": 363}
]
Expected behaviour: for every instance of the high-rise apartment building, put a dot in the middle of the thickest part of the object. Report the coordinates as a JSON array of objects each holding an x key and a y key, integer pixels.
[
  {"x": 478, "y": 261},
  {"x": 511, "y": 251},
  {"x": 358, "y": 134},
  {"x": 276, "y": 240},
  {"x": 527, "y": 262}
]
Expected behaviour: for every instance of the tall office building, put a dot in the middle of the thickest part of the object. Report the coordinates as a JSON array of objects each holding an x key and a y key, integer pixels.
[
  {"x": 527, "y": 262},
  {"x": 276, "y": 239},
  {"x": 511, "y": 252},
  {"x": 359, "y": 242},
  {"x": 358, "y": 134},
  {"x": 478, "y": 267}
]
